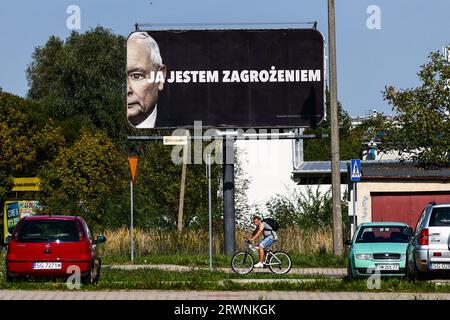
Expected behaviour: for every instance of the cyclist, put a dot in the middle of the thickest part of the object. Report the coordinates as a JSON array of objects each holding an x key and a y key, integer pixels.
[{"x": 270, "y": 236}]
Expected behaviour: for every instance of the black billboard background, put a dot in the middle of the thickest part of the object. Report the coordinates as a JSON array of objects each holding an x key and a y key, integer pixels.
[{"x": 241, "y": 105}]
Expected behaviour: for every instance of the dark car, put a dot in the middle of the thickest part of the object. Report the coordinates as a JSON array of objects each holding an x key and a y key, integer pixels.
[{"x": 49, "y": 245}]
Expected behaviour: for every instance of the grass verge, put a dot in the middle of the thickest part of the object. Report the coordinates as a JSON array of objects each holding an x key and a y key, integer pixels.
[{"x": 113, "y": 279}]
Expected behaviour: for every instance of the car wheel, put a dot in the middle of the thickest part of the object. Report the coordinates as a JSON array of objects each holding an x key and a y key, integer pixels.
[
  {"x": 349, "y": 272},
  {"x": 87, "y": 277},
  {"x": 10, "y": 278},
  {"x": 420, "y": 276},
  {"x": 417, "y": 274},
  {"x": 409, "y": 274},
  {"x": 96, "y": 277}
]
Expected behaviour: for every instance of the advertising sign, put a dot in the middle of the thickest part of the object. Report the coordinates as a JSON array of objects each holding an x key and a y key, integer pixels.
[
  {"x": 272, "y": 78},
  {"x": 14, "y": 211}
]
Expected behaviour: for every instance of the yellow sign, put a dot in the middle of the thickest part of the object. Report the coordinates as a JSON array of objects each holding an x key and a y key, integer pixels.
[
  {"x": 26, "y": 184},
  {"x": 175, "y": 140}
]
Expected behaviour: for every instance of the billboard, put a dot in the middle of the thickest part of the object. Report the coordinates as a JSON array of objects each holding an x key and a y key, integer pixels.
[
  {"x": 16, "y": 210},
  {"x": 272, "y": 78}
]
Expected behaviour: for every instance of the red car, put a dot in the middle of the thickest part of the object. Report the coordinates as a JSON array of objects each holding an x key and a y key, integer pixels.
[{"x": 48, "y": 245}]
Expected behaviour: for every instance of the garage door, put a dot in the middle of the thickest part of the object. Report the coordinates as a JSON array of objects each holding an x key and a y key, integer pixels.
[{"x": 403, "y": 207}]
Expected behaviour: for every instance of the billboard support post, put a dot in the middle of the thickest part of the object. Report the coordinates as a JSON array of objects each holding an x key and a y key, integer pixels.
[
  {"x": 228, "y": 196},
  {"x": 208, "y": 170}
]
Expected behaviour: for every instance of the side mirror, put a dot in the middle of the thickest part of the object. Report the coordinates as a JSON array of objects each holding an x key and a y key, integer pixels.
[
  {"x": 8, "y": 239},
  {"x": 408, "y": 232},
  {"x": 100, "y": 239},
  {"x": 348, "y": 242}
]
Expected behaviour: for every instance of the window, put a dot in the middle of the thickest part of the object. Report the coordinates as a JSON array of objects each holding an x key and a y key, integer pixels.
[
  {"x": 440, "y": 217},
  {"x": 420, "y": 220},
  {"x": 48, "y": 231},
  {"x": 377, "y": 234}
]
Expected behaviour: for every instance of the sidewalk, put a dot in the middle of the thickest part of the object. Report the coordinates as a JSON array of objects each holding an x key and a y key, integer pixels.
[
  {"x": 331, "y": 272},
  {"x": 214, "y": 295}
]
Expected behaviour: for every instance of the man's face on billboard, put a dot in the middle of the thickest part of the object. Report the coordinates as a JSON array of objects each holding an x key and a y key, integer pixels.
[{"x": 142, "y": 94}]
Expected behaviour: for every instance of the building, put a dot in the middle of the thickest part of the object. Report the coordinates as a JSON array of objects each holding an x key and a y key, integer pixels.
[
  {"x": 396, "y": 191},
  {"x": 389, "y": 190}
]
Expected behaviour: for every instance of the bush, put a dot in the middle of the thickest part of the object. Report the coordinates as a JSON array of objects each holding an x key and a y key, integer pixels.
[{"x": 311, "y": 210}]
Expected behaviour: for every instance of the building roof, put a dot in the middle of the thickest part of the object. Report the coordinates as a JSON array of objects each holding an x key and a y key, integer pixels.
[
  {"x": 319, "y": 172},
  {"x": 320, "y": 166},
  {"x": 402, "y": 170}
]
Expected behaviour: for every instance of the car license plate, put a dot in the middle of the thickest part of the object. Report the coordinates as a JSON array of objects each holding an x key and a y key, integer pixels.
[
  {"x": 388, "y": 267},
  {"x": 440, "y": 266},
  {"x": 47, "y": 266}
]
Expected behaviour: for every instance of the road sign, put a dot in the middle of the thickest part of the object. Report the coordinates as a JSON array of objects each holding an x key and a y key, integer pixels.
[
  {"x": 355, "y": 170},
  {"x": 26, "y": 184},
  {"x": 133, "y": 161}
]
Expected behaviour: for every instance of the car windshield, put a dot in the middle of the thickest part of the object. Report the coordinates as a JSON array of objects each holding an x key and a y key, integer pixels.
[
  {"x": 440, "y": 217},
  {"x": 376, "y": 234},
  {"x": 48, "y": 231}
]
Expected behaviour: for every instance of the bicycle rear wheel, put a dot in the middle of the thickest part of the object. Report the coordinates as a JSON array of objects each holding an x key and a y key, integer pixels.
[
  {"x": 242, "y": 262},
  {"x": 280, "y": 262}
]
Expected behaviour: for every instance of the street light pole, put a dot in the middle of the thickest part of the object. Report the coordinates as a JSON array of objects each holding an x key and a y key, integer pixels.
[{"x": 335, "y": 157}]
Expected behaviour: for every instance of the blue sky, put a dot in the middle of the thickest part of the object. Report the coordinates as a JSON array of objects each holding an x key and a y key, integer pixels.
[{"x": 367, "y": 59}]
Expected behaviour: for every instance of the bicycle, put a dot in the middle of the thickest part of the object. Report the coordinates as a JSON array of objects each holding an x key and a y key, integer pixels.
[{"x": 279, "y": 262}]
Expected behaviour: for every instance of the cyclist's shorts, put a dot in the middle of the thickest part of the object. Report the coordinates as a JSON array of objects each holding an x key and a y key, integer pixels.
[{"x": 267, "y": 242}]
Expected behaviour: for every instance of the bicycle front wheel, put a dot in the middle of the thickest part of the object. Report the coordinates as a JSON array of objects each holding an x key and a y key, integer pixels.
[
  {"x": 280, "y": 262},
  {"x": 242, "y": 262}
]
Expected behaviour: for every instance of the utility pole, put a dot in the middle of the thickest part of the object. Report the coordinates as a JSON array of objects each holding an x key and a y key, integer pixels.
[
  {"x": 335, "y": 156},
  {"x": 182, "y": 185}
]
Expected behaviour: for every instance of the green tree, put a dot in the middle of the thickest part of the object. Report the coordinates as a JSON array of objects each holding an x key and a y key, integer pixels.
[
  {"x": 421, "y": 129},
  {"x": 88, "y": 179},
  {"x": 27, "y": 143},
  {"x": 79, "y": 81},
  {"x": 320, "y": 149},
  {"x": 158, "y": 189}
]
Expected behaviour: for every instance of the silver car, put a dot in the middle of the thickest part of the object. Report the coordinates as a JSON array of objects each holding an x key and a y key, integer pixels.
[{"x": 428, "y": 253}]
